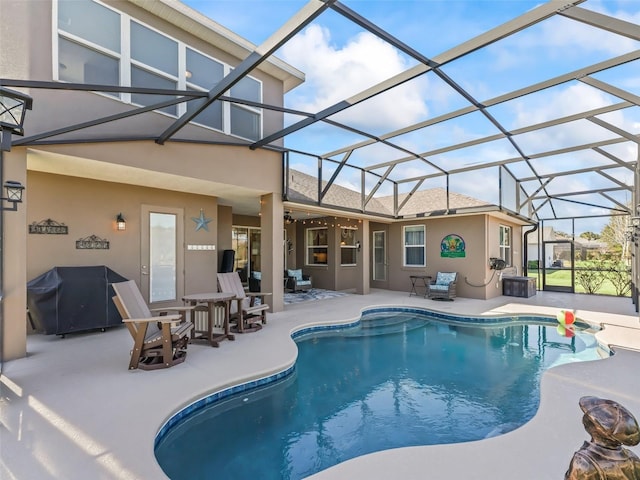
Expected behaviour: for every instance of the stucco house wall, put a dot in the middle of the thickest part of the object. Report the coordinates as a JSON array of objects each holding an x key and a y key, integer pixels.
[
  {"x": 89, "y": 207},
  {"x": 84, "y": 185},
  {"x": 475, "y": 278}
]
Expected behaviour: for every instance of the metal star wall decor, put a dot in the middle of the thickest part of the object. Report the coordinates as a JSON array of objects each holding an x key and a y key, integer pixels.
[{"x": 201, "y": 221}]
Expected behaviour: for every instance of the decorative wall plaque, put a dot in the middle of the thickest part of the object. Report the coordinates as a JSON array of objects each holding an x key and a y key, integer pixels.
[
  {"x": 452, "y": 246},
  {"x": 49, "y": 227},
  {"x": 92, "y": 242}
]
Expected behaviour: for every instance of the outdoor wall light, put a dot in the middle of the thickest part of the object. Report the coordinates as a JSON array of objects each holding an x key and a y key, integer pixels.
[
  {"x": 13, "y": 107},
  {"x": 358, "y": 245},
  {"x": 120, "y": 222},
  {"x": 14, "y": 194}
]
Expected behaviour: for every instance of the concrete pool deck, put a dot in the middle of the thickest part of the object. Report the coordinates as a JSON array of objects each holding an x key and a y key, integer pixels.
[{"x": 72, "y": 410}]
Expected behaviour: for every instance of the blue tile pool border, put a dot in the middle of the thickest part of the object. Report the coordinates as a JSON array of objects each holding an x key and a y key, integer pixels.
[
  {"x": 216, "y": 397},
  {"x": 365, "y": 315}
]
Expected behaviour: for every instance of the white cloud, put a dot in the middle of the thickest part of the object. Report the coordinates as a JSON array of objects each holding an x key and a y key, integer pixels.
[{"x": 336, "y": 73}]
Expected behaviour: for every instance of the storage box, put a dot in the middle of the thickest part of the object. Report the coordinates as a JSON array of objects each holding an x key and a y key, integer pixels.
[{"x": 519, "y": 286}]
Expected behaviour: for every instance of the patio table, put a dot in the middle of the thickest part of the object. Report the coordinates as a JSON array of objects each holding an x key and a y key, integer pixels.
[
  {"x": 422, "y": 282},
  {"x": 212, "y": 300}
]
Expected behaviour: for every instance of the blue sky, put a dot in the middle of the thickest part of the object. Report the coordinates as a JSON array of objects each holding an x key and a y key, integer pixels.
[{"x": 339, "y": 59}]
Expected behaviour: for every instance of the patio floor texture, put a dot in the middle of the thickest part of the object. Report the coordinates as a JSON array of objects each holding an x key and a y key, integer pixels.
[{"x": 72, "y": 410}]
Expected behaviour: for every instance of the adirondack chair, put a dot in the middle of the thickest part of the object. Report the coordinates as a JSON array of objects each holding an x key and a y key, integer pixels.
[
  {"x": 249, "y": 315},
  {"x": 159, "y": 341}
]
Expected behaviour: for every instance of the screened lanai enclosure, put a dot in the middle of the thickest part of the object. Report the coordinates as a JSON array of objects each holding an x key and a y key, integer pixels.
[{"x": 536, "y": 116}]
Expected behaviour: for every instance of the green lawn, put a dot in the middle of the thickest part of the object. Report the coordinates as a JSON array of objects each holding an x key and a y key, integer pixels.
[{"x": 563, "y": 278}]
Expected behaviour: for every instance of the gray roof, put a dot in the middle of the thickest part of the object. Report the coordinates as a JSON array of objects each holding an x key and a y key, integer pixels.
[{"x": 304, "y": 188}]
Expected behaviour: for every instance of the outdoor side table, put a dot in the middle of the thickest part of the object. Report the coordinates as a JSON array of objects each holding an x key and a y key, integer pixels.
[
  {"x": 418, "y": 282},
  {"x": 212, "y": 300}
]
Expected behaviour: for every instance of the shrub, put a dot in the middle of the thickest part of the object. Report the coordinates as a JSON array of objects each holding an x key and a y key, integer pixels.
[
  {"x": 620, "y": 277},
  {"x": 532, "y": 264},
  {"x": 590, "y": 277}
]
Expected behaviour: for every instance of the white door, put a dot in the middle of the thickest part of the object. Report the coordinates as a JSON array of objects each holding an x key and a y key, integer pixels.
[
  {"x": 380, "y": 256},
  {"x": 162, "y": 254}
]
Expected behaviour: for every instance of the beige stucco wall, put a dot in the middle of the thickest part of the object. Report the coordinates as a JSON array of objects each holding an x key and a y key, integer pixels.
[
  {"x": 480, "y": 233},
  {"x": 89, "y": 207},
  {"x": 475, "y": 279},
  {"x": 14, "y": 252},
  {"x": 88, "y": 184},
  {"x": 332, "y": 276},
  {"x": 26, "y": 53}
]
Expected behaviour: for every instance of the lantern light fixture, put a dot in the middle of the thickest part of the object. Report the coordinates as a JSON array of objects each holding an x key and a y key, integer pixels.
[
  {"x": 121, "y": 224},
  {"x": 14, "y": 192},
  {"x": 13, "y": 107}
]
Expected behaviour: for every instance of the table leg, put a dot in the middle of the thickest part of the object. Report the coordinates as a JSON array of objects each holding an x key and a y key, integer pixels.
[
  {"x": 213, "y": 342},
  {"x": 413, "y": 287},
  {"x": 227, "y": 314},
  {"x": 192, "y": 318}
]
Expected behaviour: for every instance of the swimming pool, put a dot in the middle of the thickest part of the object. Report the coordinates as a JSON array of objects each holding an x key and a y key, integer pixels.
[{"x": 396, "y": 378}]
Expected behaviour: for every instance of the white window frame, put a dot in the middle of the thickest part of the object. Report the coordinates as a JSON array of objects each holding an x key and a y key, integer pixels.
[
  {"x": 344, "y": 245},
  {"x": 405, "y": 246},
  {"x": 310, "y": 248},
  {"x": 124, "y": 58},
  {"x": 506, "y": 249}
]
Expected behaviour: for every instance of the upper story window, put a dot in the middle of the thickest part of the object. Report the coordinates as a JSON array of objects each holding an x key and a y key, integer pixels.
[
  {"x": 245, "y": 120},
  {"x": 201, "y": 72},
  {"x": 317, "y": 244},
  {"x": 87, "y": 54},
  {"x": 414, "y": 246},
  {"x": 126, "y": 52},
  {"x": 348, "y": 246},
  {"x": 505, "y": 244}
]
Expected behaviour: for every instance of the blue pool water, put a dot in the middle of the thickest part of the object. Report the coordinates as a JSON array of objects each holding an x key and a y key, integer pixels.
[{"x": 393, "y": 380}]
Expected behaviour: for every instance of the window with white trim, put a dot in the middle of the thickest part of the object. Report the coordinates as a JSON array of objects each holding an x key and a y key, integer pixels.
[
  {"x": 317, "y": 244},
  {"x": 348, "y": 248},
  {"x": 413, "y": 237},
  {"x": 126, "y": 52},
  {"x": 505, "y": 244}
]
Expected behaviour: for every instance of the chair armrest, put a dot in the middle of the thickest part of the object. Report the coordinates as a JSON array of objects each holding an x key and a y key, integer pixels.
[
  {"x": 184, "y": 308},
  {"x": 258, "y": 294},
  {"x": 161, "y": 319},
  {"x": 306, "y": 277}
]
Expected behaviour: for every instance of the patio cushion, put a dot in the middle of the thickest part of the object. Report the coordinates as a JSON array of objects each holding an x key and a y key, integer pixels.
[
  {"x": 257, "y": 275},
  {"x": 297, "y": 274},
  {"x": 300, "y": 283},
  {"x": 439, "y": 288},
  {"x": 445, "y": 278}
]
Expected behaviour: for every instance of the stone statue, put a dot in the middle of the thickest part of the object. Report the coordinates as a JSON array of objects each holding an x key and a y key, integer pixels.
[{"x": 603, "y": 457}]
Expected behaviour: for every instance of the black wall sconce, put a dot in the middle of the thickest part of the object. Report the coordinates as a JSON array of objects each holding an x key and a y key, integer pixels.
[
  {"x": 14, "y": 195},
  {"x": 13, "y": 107},
  {"x": 358, "y": 245},
  {"x": 120, "y": 222}
]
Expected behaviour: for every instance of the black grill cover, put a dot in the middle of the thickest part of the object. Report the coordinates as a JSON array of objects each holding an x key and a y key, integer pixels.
[{"x": 73, "y": 299}]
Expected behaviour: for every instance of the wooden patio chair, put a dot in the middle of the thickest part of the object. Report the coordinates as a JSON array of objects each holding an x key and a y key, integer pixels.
[
  {"x": 159, "y": 341},
  {"x": 444, "y": 286},
  {"x": 249, "y": 315}
]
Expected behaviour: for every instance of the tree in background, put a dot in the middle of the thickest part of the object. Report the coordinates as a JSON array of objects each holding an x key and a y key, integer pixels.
[
  {"x": 614, "y": 235},
  {"x": 590, "y": 236}
]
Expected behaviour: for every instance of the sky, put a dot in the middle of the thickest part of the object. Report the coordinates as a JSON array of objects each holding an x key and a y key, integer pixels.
[{"x": 340, "y": 59}]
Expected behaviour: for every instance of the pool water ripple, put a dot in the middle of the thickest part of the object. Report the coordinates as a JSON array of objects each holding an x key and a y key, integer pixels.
[{"x": 393, "y": 380}]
